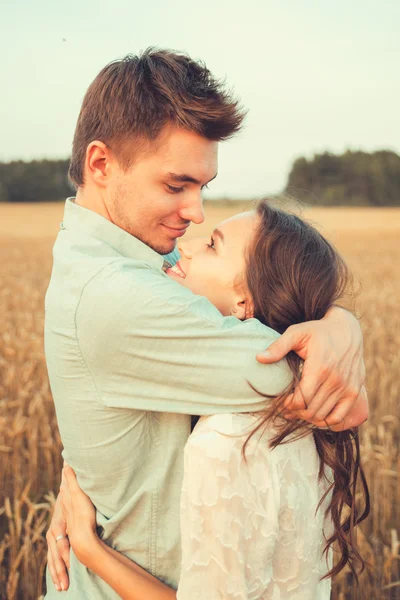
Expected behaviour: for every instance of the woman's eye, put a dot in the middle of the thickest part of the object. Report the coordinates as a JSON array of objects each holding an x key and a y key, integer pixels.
[
  {"x": 175, "y": 190},
  {"x": 211, "y": 244}
]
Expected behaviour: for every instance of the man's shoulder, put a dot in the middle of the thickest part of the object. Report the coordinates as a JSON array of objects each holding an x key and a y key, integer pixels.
[
  {"x": 121, "y": 273},
  {"x": 128, "y": 292},
  {"x": 126, "y": 287}
]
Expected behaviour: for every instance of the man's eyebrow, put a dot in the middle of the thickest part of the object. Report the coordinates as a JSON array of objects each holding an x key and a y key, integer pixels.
[
  {"x": 183, "y": 178},
  {"x": 218, "y": 233}
]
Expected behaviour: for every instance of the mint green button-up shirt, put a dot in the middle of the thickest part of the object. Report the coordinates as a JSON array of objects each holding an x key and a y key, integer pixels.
[{"x": 131, "y": 355}]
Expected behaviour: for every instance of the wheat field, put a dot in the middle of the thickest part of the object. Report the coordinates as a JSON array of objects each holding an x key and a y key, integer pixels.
[{"x": 30, "y": 460}]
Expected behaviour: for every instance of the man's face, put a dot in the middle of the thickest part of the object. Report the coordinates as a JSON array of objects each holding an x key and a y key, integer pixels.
[{"x": 161, "y": 194}]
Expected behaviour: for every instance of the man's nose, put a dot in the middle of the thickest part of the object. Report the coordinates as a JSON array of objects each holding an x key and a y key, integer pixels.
[{"x": 193, "y": 210}]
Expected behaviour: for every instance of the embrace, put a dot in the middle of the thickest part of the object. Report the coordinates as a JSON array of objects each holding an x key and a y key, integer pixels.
[{"x": 208, "y": 392}]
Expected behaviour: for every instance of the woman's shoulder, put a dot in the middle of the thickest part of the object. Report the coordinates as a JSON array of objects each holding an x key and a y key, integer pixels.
[
  {"x": 221, "y": 435},
  {"x": 225, "y": 424}
]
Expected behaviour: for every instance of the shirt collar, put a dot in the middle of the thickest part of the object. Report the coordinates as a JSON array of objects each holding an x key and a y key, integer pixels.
[{"x": 78, "y": 218}]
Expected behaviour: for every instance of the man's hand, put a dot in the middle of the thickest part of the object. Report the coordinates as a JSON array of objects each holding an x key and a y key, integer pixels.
[
  {"x": 58, "y": 551},
  {"x": 331, "y": 392}
]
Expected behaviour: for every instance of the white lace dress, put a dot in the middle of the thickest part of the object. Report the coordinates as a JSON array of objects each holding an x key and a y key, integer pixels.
[{"x": 251, "y": 531}]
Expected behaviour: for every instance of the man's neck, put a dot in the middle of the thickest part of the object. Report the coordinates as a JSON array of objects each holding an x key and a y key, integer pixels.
[{"x": 92, "y": 201}]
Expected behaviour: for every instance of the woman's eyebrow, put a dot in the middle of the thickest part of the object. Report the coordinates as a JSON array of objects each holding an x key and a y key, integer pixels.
[{"x": 218, "y": 233}]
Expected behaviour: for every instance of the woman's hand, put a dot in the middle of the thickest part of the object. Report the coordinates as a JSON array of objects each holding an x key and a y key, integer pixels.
[
  {"x": 58, "y": 548},
  {"x": 127, "y": 579},
  {"x": 331, "y": 391},
  {"x": 80, "y": 517}
]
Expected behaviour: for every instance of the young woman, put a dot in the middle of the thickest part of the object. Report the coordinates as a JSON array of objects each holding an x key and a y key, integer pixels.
[{"x": 264, "y": 498}]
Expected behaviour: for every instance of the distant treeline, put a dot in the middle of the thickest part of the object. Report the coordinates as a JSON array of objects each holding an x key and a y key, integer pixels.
[
  {"x": 349, "y": 179},
  {"x": 35, "y": 181}
]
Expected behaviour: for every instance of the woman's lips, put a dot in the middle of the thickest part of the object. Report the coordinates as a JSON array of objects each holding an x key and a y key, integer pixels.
[{"x": 177, "y": 270}]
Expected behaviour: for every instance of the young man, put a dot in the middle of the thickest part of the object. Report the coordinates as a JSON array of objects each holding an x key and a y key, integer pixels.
[{"x": 130, "y": 354}]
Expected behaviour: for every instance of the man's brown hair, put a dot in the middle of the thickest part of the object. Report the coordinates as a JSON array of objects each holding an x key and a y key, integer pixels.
[{"x": 132, "y": 99}]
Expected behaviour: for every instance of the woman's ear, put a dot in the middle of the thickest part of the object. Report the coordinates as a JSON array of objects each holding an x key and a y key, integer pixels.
[{"x": 244, "y": 308}]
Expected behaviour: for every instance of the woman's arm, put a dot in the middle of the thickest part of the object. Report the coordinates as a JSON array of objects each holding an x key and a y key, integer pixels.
[
  {"x": 127, "y": 579},
  {"x": 130, "y": 581}
]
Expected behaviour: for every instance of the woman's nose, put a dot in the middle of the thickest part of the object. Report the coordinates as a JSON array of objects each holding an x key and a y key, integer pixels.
[{"x": 192, "y": 247}]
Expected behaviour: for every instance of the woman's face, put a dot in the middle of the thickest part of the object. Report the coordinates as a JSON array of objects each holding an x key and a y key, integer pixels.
[{"x": 211, "y": 266}]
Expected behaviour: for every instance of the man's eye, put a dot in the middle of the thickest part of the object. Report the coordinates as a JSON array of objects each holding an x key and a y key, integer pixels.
[
  {"x": 211, "y": 244},
  {"x": 175, "y": 190}
]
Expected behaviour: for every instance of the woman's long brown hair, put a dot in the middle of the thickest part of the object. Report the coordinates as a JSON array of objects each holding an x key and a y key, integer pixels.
[{"x": 294, "y": 275}]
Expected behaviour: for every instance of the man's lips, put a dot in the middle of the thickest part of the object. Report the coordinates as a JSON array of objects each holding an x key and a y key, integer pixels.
[
  {"x": 176, "y": 231},
  {"x": 176, "y": 270}
]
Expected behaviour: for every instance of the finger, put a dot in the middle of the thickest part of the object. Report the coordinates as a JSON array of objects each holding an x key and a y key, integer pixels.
[
  {"x": 287, "y": 404},
  {"x": 62, "y": 545},
  {"x": 297, "y": 415},
  {"x": 64, "y": 550},
  {"x": 59, "y": 527},
  {"x": 59, "y": 565},
  {"x": 351, "y": 420},
  {"x": 52, "y": 570},
  {"x": 316, "y": 424},
  {"x": 295, "y": 401},
  {"x": 339, "y": 415},
  {"x": 325, "y": 414},
  {"x": 64, "y": 503},
  {"x": 333, "y": 391},
  {"x": 361, "y": 408},
  {"x": 306, "y": 391},
  {"x": 282, "y": 346},
  {"x": 353, "y": 409},
  {"x": 322, "y": 404},
  {"x": 332, "y": 415},
  {"x": 69, "y": 477},
  {"x": 65, "y": 487}
]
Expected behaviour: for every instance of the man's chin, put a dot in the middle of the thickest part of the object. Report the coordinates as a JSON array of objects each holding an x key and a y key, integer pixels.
[
  {"x": 161, "y": 246},
  {"x": 164, "y": 248}
]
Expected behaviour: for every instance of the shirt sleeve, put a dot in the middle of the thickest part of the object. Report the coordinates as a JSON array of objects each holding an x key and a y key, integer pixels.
[
  {"x": 151, "y": 344},
  {"x": 229, "y": 522}
]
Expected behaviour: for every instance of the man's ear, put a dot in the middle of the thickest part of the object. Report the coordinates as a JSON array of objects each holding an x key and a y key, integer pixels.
[{"x": 98, "y": 162}]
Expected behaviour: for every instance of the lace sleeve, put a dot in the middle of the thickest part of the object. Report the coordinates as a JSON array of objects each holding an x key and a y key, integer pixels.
[{"x": 229, "y": 520}]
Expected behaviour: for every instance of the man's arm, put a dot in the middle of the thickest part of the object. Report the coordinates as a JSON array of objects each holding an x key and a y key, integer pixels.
[
  {"x": 156, "y": 346},
  {"x": 150, "y": 344},
  {"x": 347, "y": 341}
]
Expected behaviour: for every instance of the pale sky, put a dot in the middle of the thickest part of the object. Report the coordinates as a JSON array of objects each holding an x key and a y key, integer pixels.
[{"x": 315, "y": 75}]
